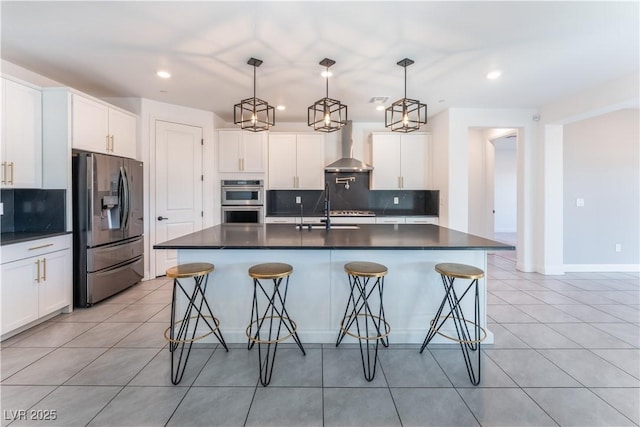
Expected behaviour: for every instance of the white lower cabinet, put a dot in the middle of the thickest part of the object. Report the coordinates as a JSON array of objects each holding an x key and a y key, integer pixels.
[{"x": 36, "y": 281}]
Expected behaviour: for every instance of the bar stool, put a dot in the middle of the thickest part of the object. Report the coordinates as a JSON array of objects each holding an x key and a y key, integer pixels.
[
  {"x": 185, "y": 336},
  {"x": 275, "y": 314},
  {"x": 360, "y": 311},
  {"x": 449, "y": 272}
]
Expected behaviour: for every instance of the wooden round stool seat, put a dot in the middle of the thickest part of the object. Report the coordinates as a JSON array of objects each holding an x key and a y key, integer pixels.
[
  {"x": 459, "y": 271},
  {"x": 270, "y": 270},
  {"x": 190, "y": 270},
  {"x": 365, "y": 269}
]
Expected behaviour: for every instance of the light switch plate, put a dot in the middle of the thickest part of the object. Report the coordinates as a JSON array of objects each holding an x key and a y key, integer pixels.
[
  {"x": 298, "y": 200},
  {"x": 579, "y": 202},
  {"x": 1, "y": 208},
  {"x": 396, "y": 200}
]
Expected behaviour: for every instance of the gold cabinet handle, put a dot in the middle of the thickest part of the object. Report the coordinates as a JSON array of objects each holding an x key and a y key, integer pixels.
[
  {"x": 399, "y": 182},
  {"x": 44, "y": 269},
  {"x": 4, "y": 172},
  {"x": 11, "y": 179},
  {"x": 107, "y": 142},
  {"x": 38, "y": 271},
  {"x": 41, "y": 246},
  {"x": 112, "y": 144}
]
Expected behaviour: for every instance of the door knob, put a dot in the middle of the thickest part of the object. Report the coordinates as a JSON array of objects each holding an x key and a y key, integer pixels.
[{"x": 160, "y": 218}]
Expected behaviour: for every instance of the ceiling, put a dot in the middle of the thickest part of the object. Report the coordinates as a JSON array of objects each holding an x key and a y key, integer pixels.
[{"x": 546, "y": 50}]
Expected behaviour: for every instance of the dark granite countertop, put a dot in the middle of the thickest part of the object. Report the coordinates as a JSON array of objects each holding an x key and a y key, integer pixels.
[
  {"x": 10, "y": 238},
  {"x": 287, "y": 236}
]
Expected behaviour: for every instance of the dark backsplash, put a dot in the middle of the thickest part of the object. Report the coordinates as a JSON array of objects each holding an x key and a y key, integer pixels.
[
  {"x": 357, "y": 197},
  {"x": 30, "y": 210}
]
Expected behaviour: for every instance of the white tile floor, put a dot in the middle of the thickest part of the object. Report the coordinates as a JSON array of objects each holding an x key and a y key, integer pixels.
[{"x": 567, "y": 353}]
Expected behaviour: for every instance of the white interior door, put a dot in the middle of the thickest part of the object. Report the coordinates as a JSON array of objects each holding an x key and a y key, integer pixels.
[{"x": 178, "y": 187}]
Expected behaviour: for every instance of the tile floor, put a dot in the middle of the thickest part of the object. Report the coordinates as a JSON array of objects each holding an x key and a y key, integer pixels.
[{"x": 567, "y": 353}]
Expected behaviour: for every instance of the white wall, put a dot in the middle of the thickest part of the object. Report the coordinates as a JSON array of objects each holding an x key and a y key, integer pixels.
[
  {"x": 610, "y": 96},
  {"x": 602, "y": 167},
  {"x": 477, "y": 200}
]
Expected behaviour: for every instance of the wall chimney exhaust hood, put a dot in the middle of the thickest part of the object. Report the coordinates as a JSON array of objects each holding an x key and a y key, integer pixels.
[{"x": 347, "y": 163}]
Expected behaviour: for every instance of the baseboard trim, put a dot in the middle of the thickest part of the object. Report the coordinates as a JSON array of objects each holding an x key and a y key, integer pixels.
[{"x": 602, "y": 268}]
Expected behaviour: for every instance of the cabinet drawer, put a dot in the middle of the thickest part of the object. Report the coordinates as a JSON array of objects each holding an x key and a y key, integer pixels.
[
  {"x": 34, "y": 248},
  {"x": 422, "y": 220},
  {"x": 390, "y": 220}
]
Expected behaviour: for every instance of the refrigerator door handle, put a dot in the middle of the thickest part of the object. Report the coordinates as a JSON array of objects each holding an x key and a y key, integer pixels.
[{"x": 126, "y": 198}]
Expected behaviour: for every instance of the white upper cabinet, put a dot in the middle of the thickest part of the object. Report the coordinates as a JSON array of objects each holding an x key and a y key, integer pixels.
[
  {"x": 100, "y": 128},
  {"x": 401, "y": 161},
  {"x": 296, "y": 161},
  {"x": 241, "y": 151},
  {"x": 21, "y": 136}
]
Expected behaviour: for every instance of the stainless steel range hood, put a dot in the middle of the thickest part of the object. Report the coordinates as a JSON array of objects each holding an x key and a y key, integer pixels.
[{"x": 347, "y": 163}]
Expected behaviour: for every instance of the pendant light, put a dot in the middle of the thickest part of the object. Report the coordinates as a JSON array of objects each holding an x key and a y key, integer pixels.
[
  {"x": 254, "y": 114},
  {"x": 405, "y": 115},
  {"x": 326, "y": 114}
]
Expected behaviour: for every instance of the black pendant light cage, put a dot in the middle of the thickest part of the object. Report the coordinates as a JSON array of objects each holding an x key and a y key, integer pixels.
[
  {"x": 327, "y": 114},
  {"x": 405, "y": 115},
  {"x": 254, "y": 114}
]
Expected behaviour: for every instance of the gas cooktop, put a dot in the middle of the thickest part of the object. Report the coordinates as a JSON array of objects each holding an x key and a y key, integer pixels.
[{"x": 352, "y": 213}]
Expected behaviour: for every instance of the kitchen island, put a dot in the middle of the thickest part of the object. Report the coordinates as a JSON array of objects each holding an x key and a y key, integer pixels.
[{"x": 319, "y": 288}]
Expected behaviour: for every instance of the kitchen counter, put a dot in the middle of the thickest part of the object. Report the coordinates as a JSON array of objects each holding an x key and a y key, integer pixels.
[
  {"x": 10, "y": 238},
  {"x": 319, "y": 288},
  {"x": 365, "y": 236}
]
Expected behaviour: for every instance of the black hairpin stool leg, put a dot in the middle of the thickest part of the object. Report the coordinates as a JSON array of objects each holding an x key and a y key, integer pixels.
[
  {"x": 469, "y": 342},
  {"x": 266, "y": 327},
  {"x": 366, "y": 283},
  {"x": 181, "y": 334}
]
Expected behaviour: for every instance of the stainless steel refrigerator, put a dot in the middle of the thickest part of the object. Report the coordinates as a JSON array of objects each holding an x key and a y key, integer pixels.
[{"x": 107, "y": 226}]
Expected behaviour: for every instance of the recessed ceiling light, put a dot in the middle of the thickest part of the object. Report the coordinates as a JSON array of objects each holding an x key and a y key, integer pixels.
[
  {"x": 492, "y": 75},
  {"x": 380, "y": 107},
  {"x": 281, "y": 107},
  {"x": 326, "y": 73},
  {"x": 163, "y": 74}
]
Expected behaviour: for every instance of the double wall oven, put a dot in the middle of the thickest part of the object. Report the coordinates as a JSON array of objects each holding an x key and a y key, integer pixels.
[{"x": 242, "y": 201}]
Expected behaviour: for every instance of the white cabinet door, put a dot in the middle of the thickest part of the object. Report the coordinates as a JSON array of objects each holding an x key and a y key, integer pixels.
[
  {"x": 252, "y": 151},
  {"x": 385, "y": 154},
  {"x": 241, "y": 151},
  {"x": 21, "y": 136},
  {"x": 400, "y": 162},
  {"x": 229, "y": 150},
  {"x": 282, "y": 162},
  {"x": 414, "y": 158},
  {"x": 296, "y": 161},
  {"x": 55, "y": 280},
  {"x": 19, "y": 294},
  {"x": 122, "y": 131},
  {"x": 90, "y": 125},
  {"x": 310, "y": 161}
]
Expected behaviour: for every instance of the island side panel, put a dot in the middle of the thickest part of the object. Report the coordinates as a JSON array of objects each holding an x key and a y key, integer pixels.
[
  {"x": 230, "y": 289},
  {"x": 412, "y": 289},
  {"x": 319, "y": 289}
]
